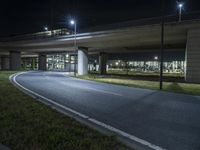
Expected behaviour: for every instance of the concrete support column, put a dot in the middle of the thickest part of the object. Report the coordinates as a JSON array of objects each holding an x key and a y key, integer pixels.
[
  {"x": 5, "y": 64},
  {"x": 82, "y": 61},
  {"x": 103, "y": 57},
  {"x": 42, "y": 62},
  {"x": 193, "y": 56},
  {"x": 15, "y": 60}
]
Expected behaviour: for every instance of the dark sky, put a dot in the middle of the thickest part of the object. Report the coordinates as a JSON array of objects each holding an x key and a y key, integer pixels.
[{"x": 27, "y": 16}]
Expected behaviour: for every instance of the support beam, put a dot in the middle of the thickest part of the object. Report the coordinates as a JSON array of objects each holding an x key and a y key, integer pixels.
[
  {"x": 5, "y": 64},
  {"x": 103, "y": 57},
  {"x": 82, "y": 61},
  {"x": 42, "y": 62},
  {"x": 193, "y": 56},
  {"x": 15, "y": 60}
]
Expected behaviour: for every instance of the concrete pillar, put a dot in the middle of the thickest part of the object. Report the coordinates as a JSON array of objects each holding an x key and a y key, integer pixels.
[
  {"x": 192, "y": 73},
  {"x": 42, "y": 62},
  {"x": 82, "y": 61},
  {"x": 103, "y": 57},
  {"x": 15, "y": 60},
  {"x": 5, "y": 63}
]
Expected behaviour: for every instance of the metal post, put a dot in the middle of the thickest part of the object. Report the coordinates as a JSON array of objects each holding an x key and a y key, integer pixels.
[
  {"x": 126, "y": 67},
  {"x": 162, "y": 46},
  {"x": 52, "y": 17},
  {"x": 75, "y": 50},
  {"x": 180, "y": 13}
]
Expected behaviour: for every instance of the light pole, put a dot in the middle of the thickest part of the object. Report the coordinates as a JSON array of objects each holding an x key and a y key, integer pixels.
[
  {"x": 180, "y": 6},
  {"x": 162, "y": 43},
  {"x": 73, "y": 22}
]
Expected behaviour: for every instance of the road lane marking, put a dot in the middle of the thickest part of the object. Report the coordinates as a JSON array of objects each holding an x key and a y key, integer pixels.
[{"x": 92, "y": 120}]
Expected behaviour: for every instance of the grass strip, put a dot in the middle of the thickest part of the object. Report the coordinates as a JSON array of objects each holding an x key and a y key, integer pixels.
[
  {"x": 185, "y": 88},
  {"x": 28, "y": 124}
]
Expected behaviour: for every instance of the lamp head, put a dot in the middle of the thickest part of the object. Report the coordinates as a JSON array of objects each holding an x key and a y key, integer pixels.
[
  {"x": 46, "y": 28},
  {"x": 156, "y": 58},
  {"x": 180, "y": 5},
  {"x": 72, "y": 22}
]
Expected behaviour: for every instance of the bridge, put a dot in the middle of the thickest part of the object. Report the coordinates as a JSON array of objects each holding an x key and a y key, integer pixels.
[{"x": 127, "y": 38}]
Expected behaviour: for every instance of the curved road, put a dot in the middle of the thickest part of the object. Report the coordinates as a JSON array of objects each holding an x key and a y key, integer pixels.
[{"x": 168, "y": 120}]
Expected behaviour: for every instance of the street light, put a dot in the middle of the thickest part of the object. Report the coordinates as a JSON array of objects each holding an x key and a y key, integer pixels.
[
  {"x": 46, "y": 28},
  {"x": 73, "y": 22},
  {"x": 180, "y": 6}
]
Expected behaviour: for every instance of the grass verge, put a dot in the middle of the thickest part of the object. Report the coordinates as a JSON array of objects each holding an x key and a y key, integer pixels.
[
  {"x": 186, "y": 88},
  {"x": 148, "y": 76},
  {"x": 28, "y": 124}
]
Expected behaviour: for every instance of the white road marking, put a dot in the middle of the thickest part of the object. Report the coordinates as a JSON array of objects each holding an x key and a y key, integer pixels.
[{"x": 108, "y": 127}]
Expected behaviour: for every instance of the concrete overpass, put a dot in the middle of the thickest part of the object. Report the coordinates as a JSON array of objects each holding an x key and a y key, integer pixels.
[{"x": 184, "y": 36}]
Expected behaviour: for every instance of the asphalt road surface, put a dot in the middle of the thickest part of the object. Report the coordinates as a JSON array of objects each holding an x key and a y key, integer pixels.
[{"x": 168, "y": 120}]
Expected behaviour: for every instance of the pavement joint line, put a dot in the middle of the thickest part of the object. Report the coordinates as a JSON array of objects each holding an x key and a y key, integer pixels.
[{"x": 92, "y": 120}]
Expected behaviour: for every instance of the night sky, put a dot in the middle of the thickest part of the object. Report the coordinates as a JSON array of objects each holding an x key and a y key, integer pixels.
[{"x": 27, "y": 16}]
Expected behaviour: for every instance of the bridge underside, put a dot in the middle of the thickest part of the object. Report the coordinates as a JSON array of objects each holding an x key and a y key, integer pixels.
[{"x": 131, "y": 47}]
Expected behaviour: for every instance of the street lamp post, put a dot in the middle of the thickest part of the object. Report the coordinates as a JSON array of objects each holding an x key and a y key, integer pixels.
[
  {"x": 162, "y": 45},
  {"x": 73, "y": 22},
  {"x": 180, "y": 5}
]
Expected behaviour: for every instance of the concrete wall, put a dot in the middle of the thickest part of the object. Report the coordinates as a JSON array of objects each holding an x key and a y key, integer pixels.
[
  {"x": 15, "y": 60},
  {"x": 5, "y": 64},
  {"x": 82, "y": 61},
  {"x": 193, "y": 56},
  {"x": 42, "y": 62}
]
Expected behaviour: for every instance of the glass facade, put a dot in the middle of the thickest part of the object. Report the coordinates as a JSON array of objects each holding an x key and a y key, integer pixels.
[
  {"x": 148, "y": 66},
  {"x": 60, "y": 62},
  {"x": 66, "y": 62},
  {"x": 29, "y": 63}
]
